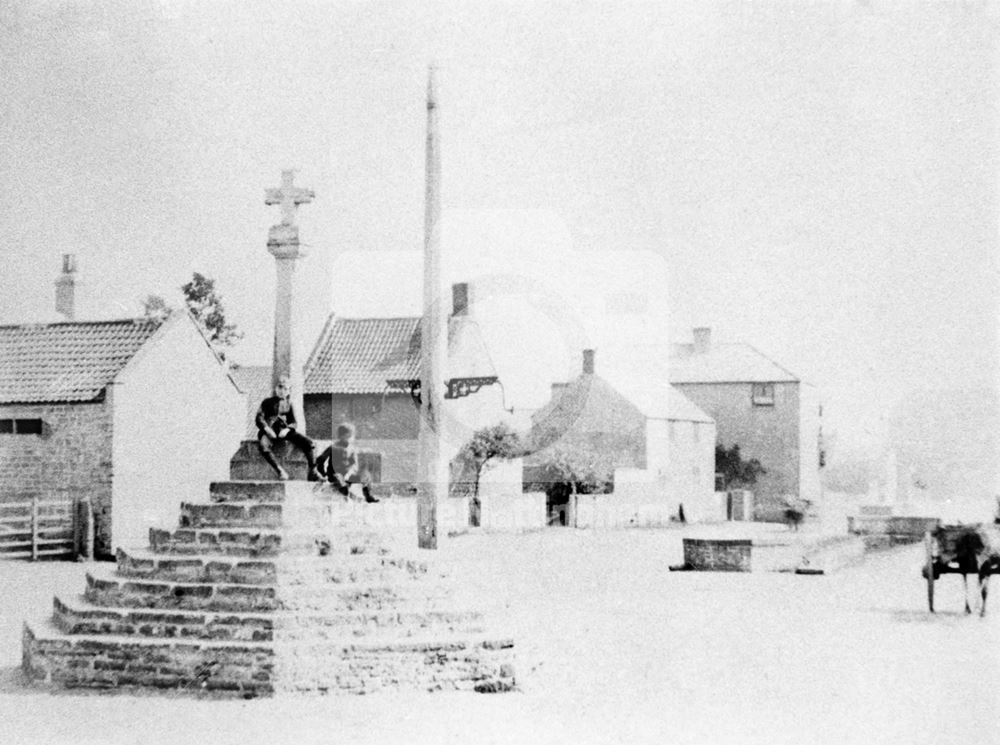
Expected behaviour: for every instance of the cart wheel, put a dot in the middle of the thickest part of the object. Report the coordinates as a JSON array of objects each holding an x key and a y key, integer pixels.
[{"x": 929, "y": 544}]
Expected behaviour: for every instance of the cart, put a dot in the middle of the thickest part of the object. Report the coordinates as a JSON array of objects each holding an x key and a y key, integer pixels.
[{"x": 943, "y": 556}]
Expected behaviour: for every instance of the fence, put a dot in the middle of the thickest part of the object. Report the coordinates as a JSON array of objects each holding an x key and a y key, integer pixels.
[{"x": 37, "y": 527}]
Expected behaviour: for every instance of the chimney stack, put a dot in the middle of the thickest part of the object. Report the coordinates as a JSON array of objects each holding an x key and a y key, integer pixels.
[
  {"x": 65, "y": 287},
  {"x": 588, "y": 361},
  {"x": 461, "y": 299},
  {"x": 702, "y": 340}
]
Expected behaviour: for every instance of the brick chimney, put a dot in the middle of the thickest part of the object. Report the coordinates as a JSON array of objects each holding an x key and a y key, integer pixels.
[
  {"x": 588, "y": 361},
  {"x": 702, "y": 340},
  {"x": 66, "y": 287},
  {"x": 461, "y": 299}
]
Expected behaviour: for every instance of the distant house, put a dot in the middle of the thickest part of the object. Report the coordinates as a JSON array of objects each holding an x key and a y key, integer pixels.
[
  {"x": 137, "y": 414},
  {"x": 361, "y": 371},
  {"x": 769, "y": 411},
  {"x": 659, "y": 447}
]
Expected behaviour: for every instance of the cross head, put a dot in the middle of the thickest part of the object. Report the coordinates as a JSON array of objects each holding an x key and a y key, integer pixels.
[{"x": 288, "y": 197}]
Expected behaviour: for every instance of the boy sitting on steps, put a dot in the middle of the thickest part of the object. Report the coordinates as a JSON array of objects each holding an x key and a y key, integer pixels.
[
  {"x": 339, "y": 463},
  {"x": 276, "y": 421}
]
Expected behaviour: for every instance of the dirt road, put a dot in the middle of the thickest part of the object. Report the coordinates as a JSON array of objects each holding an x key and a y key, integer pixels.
[{"x": 612, "y": 648}]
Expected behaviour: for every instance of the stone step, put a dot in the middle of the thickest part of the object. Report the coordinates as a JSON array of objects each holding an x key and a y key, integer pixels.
[
  {"x": 197, "y": 568},
  {"x": 232, "y": 541},
  {"x": 77, "y": 616},
  {"x": 106, "y": 589},
  {"x": 331, "y": 568},
  {"x": 56, "y": 659},
  {"x": 269, "y": 491},
  {"x": 264, "y": 542},
  {"x": 456, "y": 662},
  {"x": 231, "y": 515}
]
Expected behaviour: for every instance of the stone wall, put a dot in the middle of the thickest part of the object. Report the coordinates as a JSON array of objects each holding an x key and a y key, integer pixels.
[
  {"x": 718, "y": 554},
  {"x": 71, "y": 458}
]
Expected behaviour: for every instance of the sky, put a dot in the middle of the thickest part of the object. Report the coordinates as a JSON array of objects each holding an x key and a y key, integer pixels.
[{"x": 816, "y": 179}]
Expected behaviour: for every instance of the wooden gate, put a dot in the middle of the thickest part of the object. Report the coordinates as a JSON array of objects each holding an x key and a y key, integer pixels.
[{"x": 36, "y": 527}]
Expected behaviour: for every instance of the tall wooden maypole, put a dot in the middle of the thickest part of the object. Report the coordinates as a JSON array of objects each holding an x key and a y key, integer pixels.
[{"x": 432, "y": 461}]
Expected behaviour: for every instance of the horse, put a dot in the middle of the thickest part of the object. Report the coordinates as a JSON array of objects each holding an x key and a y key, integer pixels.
[{"x": 977, "y": 552}]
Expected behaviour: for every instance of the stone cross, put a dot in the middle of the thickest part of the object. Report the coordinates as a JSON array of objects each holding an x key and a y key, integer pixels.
[
  {"x": 289, "y": 197},
  {"x": 283, "y": 243}
]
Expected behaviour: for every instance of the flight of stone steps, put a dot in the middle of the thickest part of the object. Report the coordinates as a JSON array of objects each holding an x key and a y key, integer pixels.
[{"x": 270, "y": 587}]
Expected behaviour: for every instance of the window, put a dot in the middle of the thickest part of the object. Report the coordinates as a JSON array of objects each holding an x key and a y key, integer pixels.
[
  {"x": 20, "y": 426},
  {"x": 696, "y": 432},
  {"x": 28, "y": 426},
  {"x": 763, "y": 394}
]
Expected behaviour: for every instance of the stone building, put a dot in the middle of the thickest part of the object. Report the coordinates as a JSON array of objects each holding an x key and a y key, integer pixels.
[
  {"x": 137, "y": 414},
  {"x": 769, "y": 411},
  {"x": 659, "y": 447}
]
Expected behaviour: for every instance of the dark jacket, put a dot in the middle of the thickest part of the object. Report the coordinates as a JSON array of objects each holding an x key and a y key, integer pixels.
[
  {"x": 340, "y": 458},
  {"x": 275, "y": 411}
]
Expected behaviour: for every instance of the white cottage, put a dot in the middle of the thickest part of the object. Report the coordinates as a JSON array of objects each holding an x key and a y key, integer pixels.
[{"x": 138, "y": 414}]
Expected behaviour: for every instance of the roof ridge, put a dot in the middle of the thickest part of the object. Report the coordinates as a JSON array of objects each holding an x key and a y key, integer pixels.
[
  {"x": 378, "y": 318},
  {"x": 772, "y": 361},
  {"x": 135, "y": 320}
]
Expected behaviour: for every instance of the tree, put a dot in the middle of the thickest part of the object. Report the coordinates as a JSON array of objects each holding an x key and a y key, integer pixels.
[
  {"x": 206, "y": 306},
  {"x": 154, "y": 306},
  {"x": 497, "y": 441},
  {"x": 736, "y": 471},
  {"x": 581, "y": 466}
]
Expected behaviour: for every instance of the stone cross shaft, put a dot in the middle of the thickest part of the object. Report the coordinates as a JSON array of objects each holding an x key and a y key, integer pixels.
[
  {"x": 288, "y": 196},
  {"x": 283, "y": 244}
]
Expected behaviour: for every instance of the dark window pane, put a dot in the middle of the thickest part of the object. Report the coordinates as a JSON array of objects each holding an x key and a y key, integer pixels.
[
  {"x": 28, "y": 426},
  {"x": 6, "y": 426}
]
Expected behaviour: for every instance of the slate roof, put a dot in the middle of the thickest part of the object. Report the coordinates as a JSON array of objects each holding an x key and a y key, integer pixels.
[
  {"x": 70, "y": 361},
  {"x": 358, "y": 355},
  {"x": 735, "y": 362}
]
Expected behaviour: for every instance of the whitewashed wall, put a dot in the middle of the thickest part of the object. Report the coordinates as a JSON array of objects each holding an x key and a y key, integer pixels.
[{"x": 177, "y": 420}]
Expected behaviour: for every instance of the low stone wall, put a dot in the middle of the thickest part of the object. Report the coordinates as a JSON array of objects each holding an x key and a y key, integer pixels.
[
  {"x": 513, "y": 512},
  {"x": 718, "y": 554},
  {"x": 881, "y": 531},
  {"x": 612, "y": 511}
]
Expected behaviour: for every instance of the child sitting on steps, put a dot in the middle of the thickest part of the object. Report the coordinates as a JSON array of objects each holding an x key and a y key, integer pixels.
[
  {"x": 339, "y": 463},
  {"x": 276, "y": 421}
]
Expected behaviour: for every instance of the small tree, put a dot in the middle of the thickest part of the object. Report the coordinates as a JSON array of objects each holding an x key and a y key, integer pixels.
[
  {"x": 205, "y": 305},
  {"x": 498, "y": 441},
  {"x": 581, "y": 467},
  {"x": 154, "y": 306},
  {"x": 736, "y": 471}
]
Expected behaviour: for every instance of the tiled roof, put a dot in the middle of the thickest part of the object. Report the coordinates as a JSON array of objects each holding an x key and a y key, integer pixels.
[
  {"x": 71, "y": 361},
  {"x": 727, "y": 363},
  {"x": 358, "y": 355}
]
